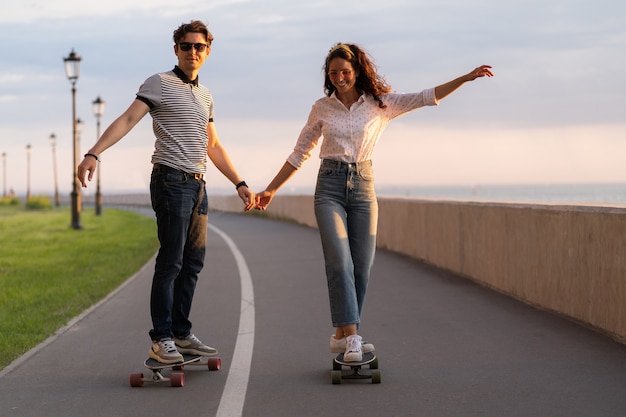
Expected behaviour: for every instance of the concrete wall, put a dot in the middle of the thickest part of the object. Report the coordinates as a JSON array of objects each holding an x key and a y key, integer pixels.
[{"x": 570, "y": 260}]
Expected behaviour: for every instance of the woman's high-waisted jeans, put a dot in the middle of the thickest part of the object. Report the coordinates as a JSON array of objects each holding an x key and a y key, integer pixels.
[
  {"x": 346, "y": 211},
  {"x": 181, "y": 206}
]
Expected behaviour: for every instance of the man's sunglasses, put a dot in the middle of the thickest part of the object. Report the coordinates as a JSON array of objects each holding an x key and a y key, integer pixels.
[{"x": 186, "y": 46}]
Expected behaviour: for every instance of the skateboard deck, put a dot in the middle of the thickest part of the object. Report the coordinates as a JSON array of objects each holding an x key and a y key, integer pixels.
[
  {"x": 356, "y": 368},
  {"x": 154, "y": 365},
  {"x": 176, "y": 378}
]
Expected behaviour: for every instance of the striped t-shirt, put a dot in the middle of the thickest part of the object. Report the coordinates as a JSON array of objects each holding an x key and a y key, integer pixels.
[{"x": 181, "y": 110}]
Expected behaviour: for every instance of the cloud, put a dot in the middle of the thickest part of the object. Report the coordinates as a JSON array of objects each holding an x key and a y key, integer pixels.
[
  {"x": 30, "y": 11},
  {"x": 559, "y": 78}
]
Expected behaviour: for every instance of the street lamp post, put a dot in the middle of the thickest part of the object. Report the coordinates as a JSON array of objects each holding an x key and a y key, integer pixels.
[
  {"x": 4, "y": 174},
  {"x": 28, "y": 147},
  {"x": 98, "y": 111},
  {"x": 72, "y": 71},
  {"x": 53, "y": 140},
  {"x": 79, "y": 131}
]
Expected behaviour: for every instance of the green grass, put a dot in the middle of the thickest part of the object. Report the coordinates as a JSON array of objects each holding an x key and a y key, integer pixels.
[{"x": 49, "y": 272}]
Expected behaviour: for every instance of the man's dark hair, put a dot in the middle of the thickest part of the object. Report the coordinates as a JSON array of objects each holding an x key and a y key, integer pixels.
[{"x": 195, "y": 26}]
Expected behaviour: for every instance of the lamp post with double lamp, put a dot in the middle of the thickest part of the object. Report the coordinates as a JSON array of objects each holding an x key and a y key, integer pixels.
[
  {"x": 53, "y": 141},
  {"x": 28, "y": 148},
  {"x": 72, "y": 71},
  {"x": 98, "y": 111}
]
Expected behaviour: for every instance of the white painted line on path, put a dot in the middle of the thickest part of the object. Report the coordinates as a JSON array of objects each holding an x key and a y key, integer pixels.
[{"x": 234, "y": 394}]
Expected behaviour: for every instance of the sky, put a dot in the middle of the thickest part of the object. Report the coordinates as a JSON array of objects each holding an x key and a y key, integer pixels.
[{"x": 555, "y": 111}]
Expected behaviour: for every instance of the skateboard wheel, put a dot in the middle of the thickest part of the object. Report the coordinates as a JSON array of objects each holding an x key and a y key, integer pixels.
[
  {"x": 374, "y": 364},
  {"x": 177, "y": 379},
  {"x": 376, "y": 376},
  {"x": 336, "y": 366},
  {"x": 214, "y": 364},
  {"x": 136, "y": 380},
  {"x": 335, "y": 377}
]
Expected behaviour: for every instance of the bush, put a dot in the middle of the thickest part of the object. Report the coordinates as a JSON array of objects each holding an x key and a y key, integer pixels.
[
  {"x": 9, "y": 201},
  {"x": 38, "y": 203}
]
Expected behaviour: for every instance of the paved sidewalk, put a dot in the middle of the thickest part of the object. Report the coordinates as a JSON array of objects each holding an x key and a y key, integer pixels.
[{"x": 447, "y": 347}]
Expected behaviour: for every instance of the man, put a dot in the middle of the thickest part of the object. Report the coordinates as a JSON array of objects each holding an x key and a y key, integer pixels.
[{"x": 182, "y": 113}]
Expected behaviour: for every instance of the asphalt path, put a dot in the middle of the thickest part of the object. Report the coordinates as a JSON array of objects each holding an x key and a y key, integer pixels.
[{"x": 446, "y": 346}]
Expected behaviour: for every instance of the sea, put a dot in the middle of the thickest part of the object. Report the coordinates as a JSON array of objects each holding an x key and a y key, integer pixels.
[
  {"x": 596, "y": 194},
  {"x": 609, "y": 194}
]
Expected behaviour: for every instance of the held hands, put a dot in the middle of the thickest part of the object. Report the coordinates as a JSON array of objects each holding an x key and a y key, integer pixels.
[{"x": 258, "y": 201}]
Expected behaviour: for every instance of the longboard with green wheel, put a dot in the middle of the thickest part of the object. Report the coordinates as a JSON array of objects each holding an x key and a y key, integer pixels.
[{"x": 356, "y": 369}]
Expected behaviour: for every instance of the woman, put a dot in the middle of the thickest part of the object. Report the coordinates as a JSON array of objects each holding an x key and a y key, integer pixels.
[{"x": 351, "y": 118}]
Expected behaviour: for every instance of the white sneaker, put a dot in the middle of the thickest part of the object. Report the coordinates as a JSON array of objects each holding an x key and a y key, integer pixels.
[
  {"x": 164, "y": 351},
  {"x": 354, "y": 352},
  {"x": 339, "y": 345}
]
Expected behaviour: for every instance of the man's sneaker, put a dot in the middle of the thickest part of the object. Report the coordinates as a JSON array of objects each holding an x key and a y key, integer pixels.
[
  {"x": 354, "y": 352},
  {"x": 339, "y": 345},
  {"x": 164, "y": 351},
  {"x": 193, "y": 346}
]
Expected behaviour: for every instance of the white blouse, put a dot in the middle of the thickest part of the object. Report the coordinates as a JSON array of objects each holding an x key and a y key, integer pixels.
[{"x": 350, "y": 135}]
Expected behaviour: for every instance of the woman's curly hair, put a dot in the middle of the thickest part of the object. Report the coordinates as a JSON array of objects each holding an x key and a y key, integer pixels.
[{"x": 367, "y": 81}]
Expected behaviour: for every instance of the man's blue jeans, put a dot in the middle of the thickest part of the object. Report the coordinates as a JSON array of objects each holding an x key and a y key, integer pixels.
[
  {"x": 180, "y": 203},
  {"x": 346, "y": 211}
]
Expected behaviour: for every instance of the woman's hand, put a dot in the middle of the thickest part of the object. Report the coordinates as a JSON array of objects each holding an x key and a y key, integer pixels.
[
  {"x": 263, "y": 199},
  {"x": 482, "y": 71}
]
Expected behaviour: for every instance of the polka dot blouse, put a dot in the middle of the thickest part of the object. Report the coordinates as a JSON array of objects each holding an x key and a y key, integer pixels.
[{"x": 350, "y": 135}]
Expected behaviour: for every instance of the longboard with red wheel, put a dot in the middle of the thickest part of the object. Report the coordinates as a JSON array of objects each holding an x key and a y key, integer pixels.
[
  {"x": 176, "y": 377},
  {"x": 356, "y": 368}
]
